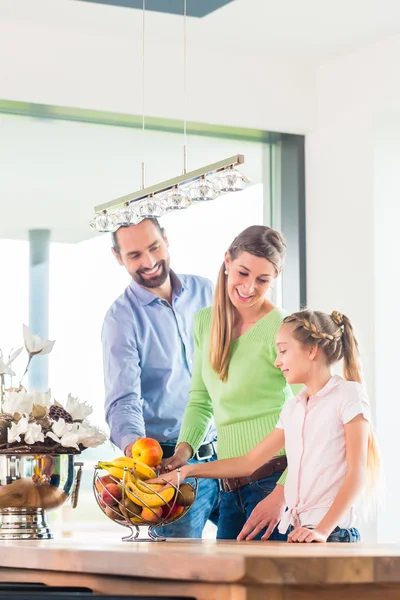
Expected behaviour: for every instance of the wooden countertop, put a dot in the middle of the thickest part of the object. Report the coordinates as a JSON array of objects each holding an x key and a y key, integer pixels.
[{"x": 210, "y": 560}]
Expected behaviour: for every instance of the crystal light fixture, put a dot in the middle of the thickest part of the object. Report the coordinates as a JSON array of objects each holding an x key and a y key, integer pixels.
[
  {"x": 152, "y": 207},
  {"x": 127, "y": 215},
  {"x": 177, "y": 199},
  {"x": 203, "y": 190},
  {"x": 231, "y": 180},
  {"x": 177, "y": 193},
  {"x": 105, "y": 222}
]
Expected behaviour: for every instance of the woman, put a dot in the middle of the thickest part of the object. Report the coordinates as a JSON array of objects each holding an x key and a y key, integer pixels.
[{"x": 235, "y": 380}]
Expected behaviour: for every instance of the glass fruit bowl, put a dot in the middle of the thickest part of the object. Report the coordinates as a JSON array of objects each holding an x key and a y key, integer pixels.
[{"x": 133, "y": 503}]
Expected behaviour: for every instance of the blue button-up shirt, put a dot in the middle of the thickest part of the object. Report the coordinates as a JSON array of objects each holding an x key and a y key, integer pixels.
[{"x": 148, "y": 359}]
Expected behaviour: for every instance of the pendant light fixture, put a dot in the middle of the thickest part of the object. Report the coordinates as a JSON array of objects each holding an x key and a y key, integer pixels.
[{"x": 178, "y": 193}]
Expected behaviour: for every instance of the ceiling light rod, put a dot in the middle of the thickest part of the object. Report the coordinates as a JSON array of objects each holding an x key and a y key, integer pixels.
[{"x": 235, "y": 160}]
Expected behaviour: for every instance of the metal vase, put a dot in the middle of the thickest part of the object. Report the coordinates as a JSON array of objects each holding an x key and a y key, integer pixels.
[{"x": 30, "y": 485}]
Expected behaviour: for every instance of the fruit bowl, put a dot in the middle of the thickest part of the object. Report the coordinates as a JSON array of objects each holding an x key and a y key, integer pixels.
[{"x": 129, "y": 501}]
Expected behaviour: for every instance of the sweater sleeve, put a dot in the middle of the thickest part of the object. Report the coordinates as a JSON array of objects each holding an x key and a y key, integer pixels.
[{"x": 199, "y": 411}]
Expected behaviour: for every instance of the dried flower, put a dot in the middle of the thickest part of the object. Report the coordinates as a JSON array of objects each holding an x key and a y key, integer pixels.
[
  {"x": 64, "y": 433},
  {"x": 16, "y": 430},
  {"x": 33, "y": 434},
  {"x": 90, "y": 436},
  {"x": 78, "y": 410},
  {"x": 4, "y": 367},
  {"x": 18, "y": 402},
  {"x": 13, "y": 355},
  {"x": 39, "y": 411},
  {"x": 34, "y": 343}
]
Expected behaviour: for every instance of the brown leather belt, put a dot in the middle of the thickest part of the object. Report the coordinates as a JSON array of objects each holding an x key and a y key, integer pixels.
[{"x": 276, "y": 465}]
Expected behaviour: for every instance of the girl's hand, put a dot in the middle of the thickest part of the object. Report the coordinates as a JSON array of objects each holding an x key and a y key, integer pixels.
[
  {"x": 182, "y": 454},
  {"x": 174, "y": 478},
  {"x": 267, "y": 513},
  {"x": 304, "y": 535}
]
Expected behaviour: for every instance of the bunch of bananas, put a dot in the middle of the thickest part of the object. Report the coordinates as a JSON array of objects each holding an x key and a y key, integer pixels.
[{"x": 132, "y": 473}]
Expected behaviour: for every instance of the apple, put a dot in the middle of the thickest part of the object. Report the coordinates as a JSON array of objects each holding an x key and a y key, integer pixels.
[
  {"x": 152, "y": 515},
  {"x": 111, "y": 494},
  {"x": 171, "y": 512},
  {"x": 148, "y": 451},
  {"x": 101, "y": 482}
]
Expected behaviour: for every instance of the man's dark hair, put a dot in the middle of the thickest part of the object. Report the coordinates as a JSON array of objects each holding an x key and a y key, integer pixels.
[{"x": 115, "y": 238}]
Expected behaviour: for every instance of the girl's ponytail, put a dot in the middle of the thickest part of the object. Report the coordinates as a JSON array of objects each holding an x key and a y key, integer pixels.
[{"x": 351, "y": 355}]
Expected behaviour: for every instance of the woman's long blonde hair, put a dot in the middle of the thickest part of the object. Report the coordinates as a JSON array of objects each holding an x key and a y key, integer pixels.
[
  {"x": 258, "y": 240},
  {"x": 334, "y": 334}
]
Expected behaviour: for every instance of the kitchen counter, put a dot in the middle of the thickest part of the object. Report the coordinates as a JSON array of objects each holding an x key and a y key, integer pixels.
[{"x": 208, "y": 569}]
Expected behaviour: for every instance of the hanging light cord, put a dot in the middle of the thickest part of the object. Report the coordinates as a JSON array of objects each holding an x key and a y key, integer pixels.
[
  {"x": 184, "y": 89},
  {"x": 143, "y": 138}
]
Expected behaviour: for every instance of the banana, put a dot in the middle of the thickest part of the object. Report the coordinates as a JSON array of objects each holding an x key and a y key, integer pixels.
[
  {"x": 147, "y": 488},
  {"x": 148, "y": 499},
  {"x": 114, "y": 471},
  {"x": 142, "y": 471},
  {"x": 116, "y": 468}
]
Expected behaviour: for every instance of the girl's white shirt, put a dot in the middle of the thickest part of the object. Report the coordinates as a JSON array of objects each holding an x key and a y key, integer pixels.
[{"x": 316, "y": 450}]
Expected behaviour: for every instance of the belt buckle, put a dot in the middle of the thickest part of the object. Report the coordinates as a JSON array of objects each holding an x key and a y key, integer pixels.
[
  {"x": 226, "y": 487},
  {"x": 210, "y": 455}
]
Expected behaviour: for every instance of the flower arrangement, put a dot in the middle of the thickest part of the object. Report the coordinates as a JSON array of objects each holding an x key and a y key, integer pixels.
[{"x": 34, "y": 421}]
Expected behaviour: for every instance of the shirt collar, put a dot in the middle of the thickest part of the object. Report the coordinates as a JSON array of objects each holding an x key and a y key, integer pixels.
[
  {"x": 145, "y": 296},
  {"x": 333, "y": 382}
]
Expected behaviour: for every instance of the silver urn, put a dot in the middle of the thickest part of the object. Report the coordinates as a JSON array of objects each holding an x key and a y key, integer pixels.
[{"x": 30, "y": 485}]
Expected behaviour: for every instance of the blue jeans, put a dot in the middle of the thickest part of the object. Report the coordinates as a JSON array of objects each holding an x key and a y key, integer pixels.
[
  {"x": 348, "y": 536},
  {"x": 204, "y": 508},
  {"x": 236, "y": 507}
]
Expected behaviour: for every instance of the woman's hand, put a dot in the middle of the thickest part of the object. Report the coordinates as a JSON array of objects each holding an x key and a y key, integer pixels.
[
  {"x": 183, "y": 453},
  {"x": 267, "y": 513},
  {"x": 304, "y": 535},
  {"x": 174, "y": 478}
]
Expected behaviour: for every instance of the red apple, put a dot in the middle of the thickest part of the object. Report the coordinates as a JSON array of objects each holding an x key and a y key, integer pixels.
[
  {"x": 101, "y": 482},
  {"x": 111, "y": 494},
  {"x": 171, "y": 512},
  {"x": 153, "y": 516},
  {"x": 148, "y": 451}
]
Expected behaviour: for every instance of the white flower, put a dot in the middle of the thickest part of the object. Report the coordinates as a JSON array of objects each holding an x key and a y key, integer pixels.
[
  {"x": 60, "y": 428},
  {"x": 34, "y": 343},
  {"x": 77, "y": 410},
  {"x": 16, "y": 430},
  {"x": 64, "y": 433},
  {"x": 18, "y": 402},
  {"x": 13, "y": 355},
  {"x": 4, "y": 367},
  {"x": 90, "y": 436},
  {"x": 34, "y": 434}
]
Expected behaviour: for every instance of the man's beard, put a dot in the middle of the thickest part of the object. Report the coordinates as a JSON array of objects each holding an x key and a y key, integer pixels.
[{"x": 157, "y": 280}]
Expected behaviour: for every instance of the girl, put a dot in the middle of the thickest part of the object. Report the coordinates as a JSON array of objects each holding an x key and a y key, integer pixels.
[
  {"x": 330, "y": 447},
  {"x": 234, "y": 360}
]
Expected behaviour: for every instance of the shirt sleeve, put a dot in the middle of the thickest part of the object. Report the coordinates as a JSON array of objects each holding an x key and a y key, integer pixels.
[
  {"x": 199, "y": 411},
  {"x": 354, "y": 402},
  {"x": 121, "y": 363}
]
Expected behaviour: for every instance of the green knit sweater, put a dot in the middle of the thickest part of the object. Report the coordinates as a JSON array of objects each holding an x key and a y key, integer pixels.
[{"x": 246, "y": 407}]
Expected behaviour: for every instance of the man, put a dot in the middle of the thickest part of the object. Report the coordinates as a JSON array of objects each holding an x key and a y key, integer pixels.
[{"x": 148, "y": 357}]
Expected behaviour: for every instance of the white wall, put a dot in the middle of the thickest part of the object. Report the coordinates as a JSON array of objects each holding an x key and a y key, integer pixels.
[
  {"x": 387, "y": 314},
  {"x": 353, "y": 187},
  {"x": 86, "y": 55}
]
